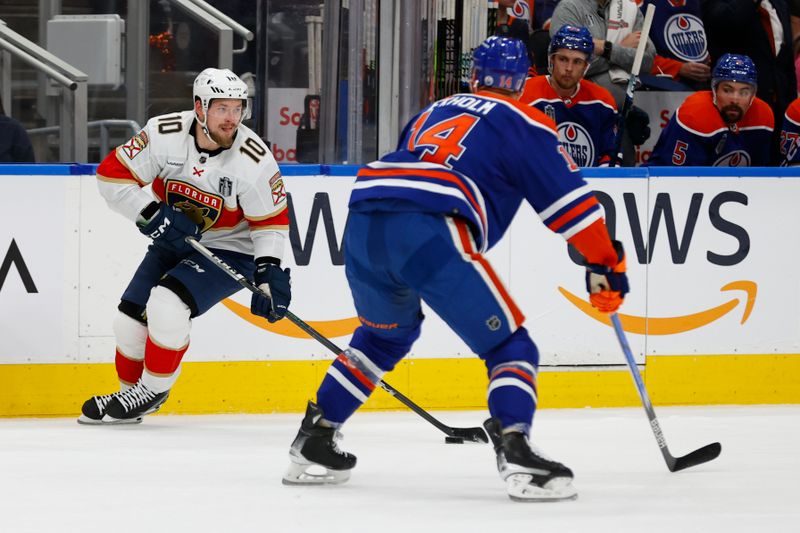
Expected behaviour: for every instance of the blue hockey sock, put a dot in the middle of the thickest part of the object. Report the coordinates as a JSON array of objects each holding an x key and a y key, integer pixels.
[
  {"x": 350, "y": 380},
  {"x": 512, "y": 395}
]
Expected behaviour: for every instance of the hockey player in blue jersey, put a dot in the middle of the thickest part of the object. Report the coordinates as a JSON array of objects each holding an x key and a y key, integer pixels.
[
  {"x": 584, "y": 112},
  {"x": 679, "y": 36},
  {"x": 790, "y": 135},
  {"x": 728, "y": 126},
  {"x": 420, "y": 220}
]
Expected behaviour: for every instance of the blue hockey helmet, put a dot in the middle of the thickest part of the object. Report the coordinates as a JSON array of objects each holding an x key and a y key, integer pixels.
[
  {"x": 734, "y": 67},
  {"x": 572, "y": 38},
  {"x": 501, "y": 63}
]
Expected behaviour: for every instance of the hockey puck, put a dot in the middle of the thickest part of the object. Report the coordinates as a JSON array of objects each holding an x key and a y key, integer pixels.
[{"x": 454, "y": 440}]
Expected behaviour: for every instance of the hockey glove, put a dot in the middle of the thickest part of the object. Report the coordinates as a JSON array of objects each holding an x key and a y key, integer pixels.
[
  {"x": 638, "y": 124},
  {"x": 607, "y": 286},
  {"x": 167, "y": 226},
  {"x": 276, "y": 283}
]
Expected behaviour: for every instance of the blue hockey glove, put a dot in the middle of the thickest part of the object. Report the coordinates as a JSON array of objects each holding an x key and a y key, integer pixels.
[
  {"x": 167, "y": 226},
  {"x": 607, "y": 286},
  {"x": 276, "y": 283}
]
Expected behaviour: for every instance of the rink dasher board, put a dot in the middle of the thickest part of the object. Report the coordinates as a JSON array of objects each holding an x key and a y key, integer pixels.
[{"x": 725, "y": 245}]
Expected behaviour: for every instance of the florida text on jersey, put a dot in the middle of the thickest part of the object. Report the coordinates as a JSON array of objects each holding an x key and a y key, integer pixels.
[{"x": 236, "y": 195}]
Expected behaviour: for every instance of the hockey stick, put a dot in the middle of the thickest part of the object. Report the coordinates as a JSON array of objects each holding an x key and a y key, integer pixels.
[
  {"x": 637, "y": 65},
  {"x": 699, "y": 456},
  {"x": 475, "y": 434}
]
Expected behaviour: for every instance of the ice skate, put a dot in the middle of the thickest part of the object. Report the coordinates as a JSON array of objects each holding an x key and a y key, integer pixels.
[
  {"x": 314, "y": 457},
  {"x": 130, "y": 406},
  {"x": 94, "y": 409},
  {"x": 530, "y": 476}
]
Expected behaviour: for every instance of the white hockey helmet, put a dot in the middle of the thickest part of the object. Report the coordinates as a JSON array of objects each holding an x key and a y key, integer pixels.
[{"x": 219, "y": 83}]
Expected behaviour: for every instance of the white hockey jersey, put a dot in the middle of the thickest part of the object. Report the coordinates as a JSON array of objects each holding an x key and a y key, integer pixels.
[{"x": 236, "y": 195}]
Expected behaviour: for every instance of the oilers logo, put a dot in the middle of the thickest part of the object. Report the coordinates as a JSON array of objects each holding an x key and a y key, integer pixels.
[
  {"x": 577, "y": 142},
  {"x": 737, "y": 158},
  {"x": 685, "y": 37},
  {"x": 521, "y": 10}
]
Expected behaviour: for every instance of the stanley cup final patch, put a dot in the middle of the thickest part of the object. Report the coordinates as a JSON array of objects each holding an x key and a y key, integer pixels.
[{"x": 225, "y": 186}]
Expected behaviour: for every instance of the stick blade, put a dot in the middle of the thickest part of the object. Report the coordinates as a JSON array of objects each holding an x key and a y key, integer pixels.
[
  {"x": 697, "y": 457},
  {"x": 470, "y": 434}
]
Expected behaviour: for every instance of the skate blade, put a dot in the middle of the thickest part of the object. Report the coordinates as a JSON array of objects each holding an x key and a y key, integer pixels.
[
  {"x": 520, "y": 489},
  {"x": 313, "y": 474},
  {"x": 109, "y": 421}
]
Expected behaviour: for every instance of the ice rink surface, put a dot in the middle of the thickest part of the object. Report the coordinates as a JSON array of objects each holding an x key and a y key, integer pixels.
[{"x": 223, "y": 474}]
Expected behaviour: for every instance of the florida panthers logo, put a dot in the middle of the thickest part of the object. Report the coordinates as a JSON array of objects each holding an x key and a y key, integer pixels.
[
  {"x": 203, "y": 208},
  {"x": 737, "y": 158},
  {"x": 685, "y": 37},
  {"x": 578, "y": 143}
]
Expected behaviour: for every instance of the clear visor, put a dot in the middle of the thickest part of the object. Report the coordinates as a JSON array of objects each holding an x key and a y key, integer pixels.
[{"x": 235, "y": 111}]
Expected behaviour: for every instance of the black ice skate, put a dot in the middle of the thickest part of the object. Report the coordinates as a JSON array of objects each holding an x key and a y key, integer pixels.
[
  {"x": 131, "y": 405},
  {"x": 315, "y": 457},
  {"x": 94, "y": 409},
  {"x": 530, "y": 476}
]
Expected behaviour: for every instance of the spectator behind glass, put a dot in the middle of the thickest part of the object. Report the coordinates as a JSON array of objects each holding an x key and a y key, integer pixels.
[
  {"x": 514, "y": 19},
  {"x": 760, "y": 29},
  {"x": 681, "y": 44},
  {"x": 616, "y": 27},
  {"x": 15, "y": 145},
  {"x": 794, "y": 12},
  {"x": 542, "y": 11}
]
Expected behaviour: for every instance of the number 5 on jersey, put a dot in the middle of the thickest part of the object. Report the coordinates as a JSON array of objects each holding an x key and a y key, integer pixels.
[{"x": 442, "y": 142}]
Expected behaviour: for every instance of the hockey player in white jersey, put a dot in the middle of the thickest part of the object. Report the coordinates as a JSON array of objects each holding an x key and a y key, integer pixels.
[{"x": 212, "y": 178}]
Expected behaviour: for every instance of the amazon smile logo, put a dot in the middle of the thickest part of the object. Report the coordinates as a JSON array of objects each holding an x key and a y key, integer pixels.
[
  {"x": 631, "y": 323},
  {"x": 664, "y": 216},
  {"x": 329, "y": 328},
  {"x": 676, "y": 324}
]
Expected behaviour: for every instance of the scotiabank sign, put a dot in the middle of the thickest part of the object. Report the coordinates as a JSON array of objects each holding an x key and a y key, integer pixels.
[{"x": 285, "y": 110}]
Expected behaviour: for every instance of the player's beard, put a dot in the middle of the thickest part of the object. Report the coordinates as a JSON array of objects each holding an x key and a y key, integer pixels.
[
  {"x": 220, "y": 138},
  {"x": 731, "y": 113},
  {"x": 566, "y": 83}
]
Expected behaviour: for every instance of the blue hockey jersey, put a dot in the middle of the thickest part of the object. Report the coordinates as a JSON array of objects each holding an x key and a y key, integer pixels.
[
  {"x": 790, "y": 135},
  {"x": 587, "y": 122},
  {"x": 477, "y": 156},
  {"x": 678, "y": 31},
  {"x": 696, "y": 135}
]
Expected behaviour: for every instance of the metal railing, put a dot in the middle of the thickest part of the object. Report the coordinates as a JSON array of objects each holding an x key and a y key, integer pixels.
[
  {"x": 237, "y": 28},
  {"x": 73, "y": 141},
  {"x": 219, "y": 22},
  {"x": 104, "y": 125}
]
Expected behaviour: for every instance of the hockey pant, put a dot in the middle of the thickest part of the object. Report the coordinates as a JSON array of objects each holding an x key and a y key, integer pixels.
[
  {"x": 155, "y": 312},
  {"x": 393, "y": 261}
]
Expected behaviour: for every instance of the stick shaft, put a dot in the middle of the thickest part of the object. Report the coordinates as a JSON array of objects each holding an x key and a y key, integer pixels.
[
  {"x": 637, "y": 378},
  {"x": 637, "y": 65},
  {"x": 247, "y": 284},
  {"x": 648, "y": 21}
]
